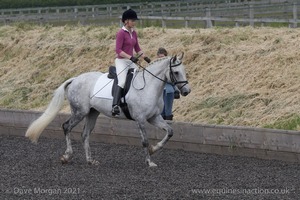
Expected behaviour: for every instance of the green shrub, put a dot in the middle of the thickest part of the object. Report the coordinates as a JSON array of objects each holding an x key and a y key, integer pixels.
[{"x": 291, "y": 122}]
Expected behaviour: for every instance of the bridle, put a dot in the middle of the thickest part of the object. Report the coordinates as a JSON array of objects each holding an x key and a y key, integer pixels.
[{"x": 171, "y": 74}]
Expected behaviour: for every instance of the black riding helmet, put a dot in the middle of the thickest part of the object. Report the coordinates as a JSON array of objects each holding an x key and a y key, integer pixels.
[{"x": 129, "y": 14}]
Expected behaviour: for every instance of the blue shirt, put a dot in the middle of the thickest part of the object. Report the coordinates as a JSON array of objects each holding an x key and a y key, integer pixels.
[{"x": 169, "y": 88}]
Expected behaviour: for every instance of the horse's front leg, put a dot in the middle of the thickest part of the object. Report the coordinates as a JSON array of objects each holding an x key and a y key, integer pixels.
[
  {"x": 145, "y": 144},
  {"x": 159, "y": 122}
]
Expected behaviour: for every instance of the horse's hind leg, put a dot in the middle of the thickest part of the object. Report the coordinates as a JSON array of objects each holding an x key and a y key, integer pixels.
[
  {"x": 90, "y": 122},
  {"x": 145, "y": 143},
  {"x": 159, "y": 122},
  {"x": 67, "y": 127}
]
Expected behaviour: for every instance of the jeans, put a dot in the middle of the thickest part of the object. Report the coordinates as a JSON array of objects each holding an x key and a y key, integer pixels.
[{"x": 168, "y": 104}]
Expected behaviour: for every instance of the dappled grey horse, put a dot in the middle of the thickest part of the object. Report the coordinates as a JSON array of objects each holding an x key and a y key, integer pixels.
[{"x": 144, "y": 100}]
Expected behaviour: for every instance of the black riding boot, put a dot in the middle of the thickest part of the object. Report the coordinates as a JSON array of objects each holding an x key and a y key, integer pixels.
[{"x": 116, "y": 101}]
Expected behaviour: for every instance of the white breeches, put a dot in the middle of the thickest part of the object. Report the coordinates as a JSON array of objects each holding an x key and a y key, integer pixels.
[{"x": 122, "y": 66}]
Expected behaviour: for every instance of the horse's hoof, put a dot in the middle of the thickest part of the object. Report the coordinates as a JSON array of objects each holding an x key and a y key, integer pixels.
[
  {"x": 93, "y": 162},
  {"x": 152, "y": 164},
  {"x": 64, "y": 160}
]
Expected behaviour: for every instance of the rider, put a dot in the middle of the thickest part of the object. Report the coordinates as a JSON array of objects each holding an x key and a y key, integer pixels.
[{"x": 126, "y": 44}]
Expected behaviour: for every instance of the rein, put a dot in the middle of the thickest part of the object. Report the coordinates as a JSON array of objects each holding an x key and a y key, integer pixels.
[{"x": 172, "y": 76}]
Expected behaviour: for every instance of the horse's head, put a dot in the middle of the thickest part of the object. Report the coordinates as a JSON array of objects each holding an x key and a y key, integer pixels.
[{"x": 177, "y": 75}]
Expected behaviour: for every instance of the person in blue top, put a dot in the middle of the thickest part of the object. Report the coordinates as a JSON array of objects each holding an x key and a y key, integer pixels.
[{"x": 169, "y": 92}]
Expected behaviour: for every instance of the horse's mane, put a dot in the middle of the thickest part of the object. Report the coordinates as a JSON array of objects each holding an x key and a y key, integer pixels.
[
  {"x": 158, "y": 60},
  {"x": 152, "y": 63}
]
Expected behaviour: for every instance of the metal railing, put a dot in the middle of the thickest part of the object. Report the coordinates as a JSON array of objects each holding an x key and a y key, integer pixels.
[{"x": 166, "y": 14}]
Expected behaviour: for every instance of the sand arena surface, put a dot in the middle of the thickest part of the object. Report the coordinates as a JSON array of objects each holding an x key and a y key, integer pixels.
[
  {"x": 29, "y": 171},
  {"x": 239, "y": 76}
]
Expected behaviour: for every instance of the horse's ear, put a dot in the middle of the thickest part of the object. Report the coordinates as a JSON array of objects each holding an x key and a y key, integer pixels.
[
  {"x": 174, "y": 59},
  {"x": 181, "y": 56}
]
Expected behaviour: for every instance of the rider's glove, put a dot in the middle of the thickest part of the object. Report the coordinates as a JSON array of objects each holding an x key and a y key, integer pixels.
[
  {"x": 134, "y": 59},
  {"x": 147, "y": 60}
]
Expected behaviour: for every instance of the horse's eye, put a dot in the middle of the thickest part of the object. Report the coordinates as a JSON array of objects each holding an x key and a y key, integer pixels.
[{"x": 176, "y": 73}]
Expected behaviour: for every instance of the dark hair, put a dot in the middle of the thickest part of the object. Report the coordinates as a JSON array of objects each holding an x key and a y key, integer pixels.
[
  {"x": 129, "y": 14},
  {"x": 162, "y": 50}
]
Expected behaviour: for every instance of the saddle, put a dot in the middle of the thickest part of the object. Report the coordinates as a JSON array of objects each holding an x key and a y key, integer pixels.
[{"x": 112, "y": 74}]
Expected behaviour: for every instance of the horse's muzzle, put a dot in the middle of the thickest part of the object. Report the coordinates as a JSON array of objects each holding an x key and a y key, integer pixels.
[{"x": 185, "y": 91}]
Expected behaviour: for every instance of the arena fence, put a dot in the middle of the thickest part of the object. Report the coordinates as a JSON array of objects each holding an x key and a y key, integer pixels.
[
  {"x": 223, "y": 140},
  {"x": 192, "y": 13}
]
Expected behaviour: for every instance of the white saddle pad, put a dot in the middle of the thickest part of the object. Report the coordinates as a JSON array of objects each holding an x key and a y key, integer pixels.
[{"x": 103, "y": 86}]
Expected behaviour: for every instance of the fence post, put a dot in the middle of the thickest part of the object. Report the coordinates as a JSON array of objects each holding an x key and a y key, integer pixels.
[
  {"x": 208, "y": 19},
  {"x": 162, "y": 8},
  {"x": 251, "y": 15},
  {"x": 75, "y": 12},
  {"x": 108, "y": 8},
  {"x": 163, "y": 23},
  {"x": 152, "y": 8},
  {"x": 179, "y": 7},
  {"x": 295, "y": 17},
  {"x": 186, "y": 23}
]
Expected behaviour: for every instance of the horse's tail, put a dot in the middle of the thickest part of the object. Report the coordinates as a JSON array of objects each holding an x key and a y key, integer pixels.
[{"x": 36, "y": 128}]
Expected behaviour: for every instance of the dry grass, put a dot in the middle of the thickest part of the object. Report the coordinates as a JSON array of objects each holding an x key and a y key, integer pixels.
[{"x": 239, "y": 76}]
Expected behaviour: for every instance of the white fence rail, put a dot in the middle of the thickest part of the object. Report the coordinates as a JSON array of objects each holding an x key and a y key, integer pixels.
[{"x": 185, "y": 13}]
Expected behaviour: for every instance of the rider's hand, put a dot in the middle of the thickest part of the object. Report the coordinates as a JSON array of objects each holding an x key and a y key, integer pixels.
[
  {"x": 134, "y": 59},
  {"x": 147, "y": 60}
]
